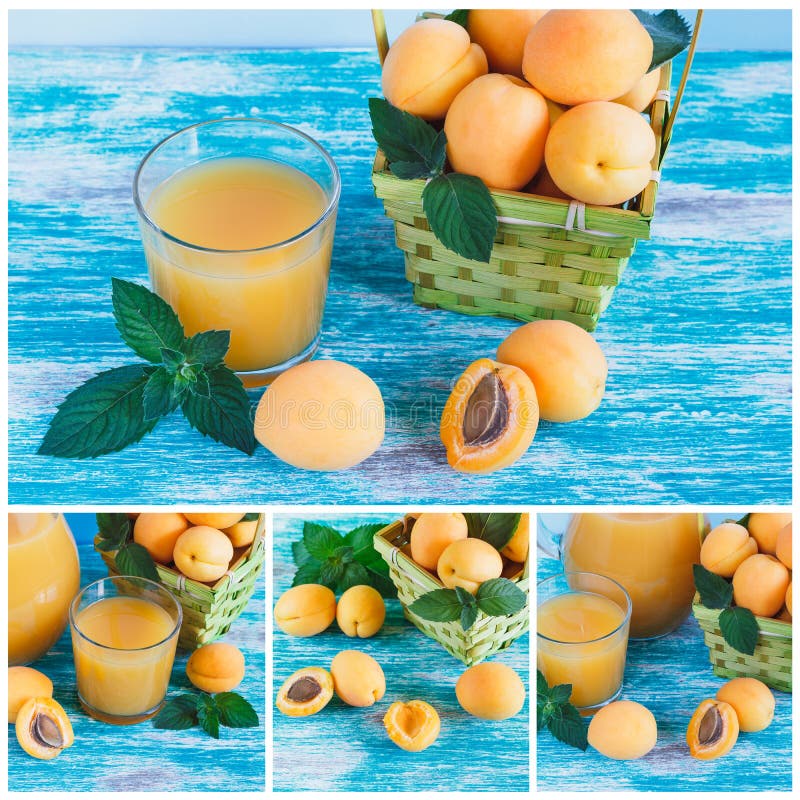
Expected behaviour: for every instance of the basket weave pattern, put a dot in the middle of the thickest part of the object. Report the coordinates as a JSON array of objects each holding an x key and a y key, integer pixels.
[
  {"x": 771, "y": 662},
  {"x": 488, "y": 635},
  {"x": 209, "y": 611}
]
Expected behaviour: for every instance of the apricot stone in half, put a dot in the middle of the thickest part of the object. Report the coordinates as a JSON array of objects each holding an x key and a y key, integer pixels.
[
  {"x": 713, "y": 730},
  {"x": 490, "y": 418},
  {"x": 43, "y": 728},
  {"x": 305, "y": 692}
]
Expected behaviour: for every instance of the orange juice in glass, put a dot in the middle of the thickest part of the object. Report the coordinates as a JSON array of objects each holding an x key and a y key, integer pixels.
[
  {"x": 124, "y": 635},
  {"x": 237, "y": 219},
  {"x": 582, "y": 623},
  {"x": 43, "y": 577}
]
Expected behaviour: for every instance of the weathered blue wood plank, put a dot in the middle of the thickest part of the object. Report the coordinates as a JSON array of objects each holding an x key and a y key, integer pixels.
[
  {"x": 698, "y": 336},
  {"x": 111, "y": 758},
  {"x": 671, "y": 676},
  {"x": 347, "y": 749}
]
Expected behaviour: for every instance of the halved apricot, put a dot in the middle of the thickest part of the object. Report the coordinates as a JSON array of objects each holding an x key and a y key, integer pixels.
[
  {"x": 713, "y": 730},
  {"x": 305, "y": 692},
  {"x": 412, "y": 726},
  {"x": 43, "y": 728},
  {"x": 490, "y": 418}
]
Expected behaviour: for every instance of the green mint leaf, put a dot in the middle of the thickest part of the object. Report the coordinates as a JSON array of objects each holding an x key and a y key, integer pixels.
[
  {"x": 321, "y": 541},
  {"x": 499, "y": 597},
  {"x": 145, "y": 321},
  {"x": 172, "y": 360},
  {"x": 409, "y": 170},
  {"x": 468, "y": 616},
  {"x": 201, "y": 386},
  {"x": 715, "y": 591},
  {"x": 379, "y": 579},
  {"x": 178, "y": 714},
  {"x": 440, "y": 605},
  {"x": 744, "y": 521},
  {"x": 354, "y": 574},
  {"x": 496, "y": 528},
  {"x": 224, "y": 415},
  {"x": 103, "y": 415},
  {"x": 235, "y": 711},
  {"x": 739, "y": 629},
  {"x": 461, "y": 214},
  {"x": 464, "y": 597},
  {"x": 207, "y": 348},
  {"x": 438, "y": 153},
  {"x": 560, "y": 694},
  {"x": 402, "y": 136},
  {"x": 208, "y": 715},
  {"x": 362, "y": 539},
  {"x": 159, "y": 395},
  {"x": 300, "y": 553},
  {"x": 460, "y": 16},
  {"x": 133, "y": 559},
  {"x": 343, "y": 554},
  {"x": 114, "y": 529},
  {"x": 330, "y": 573},
  {"x": 251, "y": 516},
  {"x": 307, "y": 573},
  {"x": 670, "y": 34},
  {"x": 542, "y": 689},
  {"x": 568, "y": 726}
]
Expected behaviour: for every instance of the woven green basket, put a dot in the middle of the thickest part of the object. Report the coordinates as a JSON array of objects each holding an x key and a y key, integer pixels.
[
  {"x": 210, "y": 609},
  {"x": 552, "y": 258},
  {"x": 772, "y": 660},
  {"x": 487, "y": 636}
]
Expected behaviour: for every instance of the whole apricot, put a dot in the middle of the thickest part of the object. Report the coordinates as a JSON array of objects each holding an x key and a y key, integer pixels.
[
  {"x": 641, "y": 95},
  {"x": 305, "y": 610},
  {"x": 413, "y": 726},
  {"x": 360, "y": 612},
  {"x": 428, "y": 65},
  {"x": 565, "y": 364},
  {"x": 357, "y": 678},
  {"x": 158, "y": 533},
  {"x": 600, "y": 153},
  {"x": 789, "y": 598},
  {"x": 783, "y": 546},
  {"x": 23, "y": 684},
  {"x": 431, "y": 535},
  {"x": 215, "y": 520},
  {"x": 623, "y": 730},
  {"x": 496, "y": 128},
  {"x": 501, "y": 33},
  {"x": 468, "y": 563},
  {"x": 726, "y": 547},
  {"x": 765, "y": 527},
  {"x": 43, "y": 728},
  {"x": 305, "y": 692},
  {"x": 760, "y": 584},
  {"x": 242, "y": 533},
  {"x": 321, "y": 415},
  {"x": 713, "y": 730},
  {"x": 490, "y": 691},
  {"x": 574, "y": 56},
  {"x": 517, "y": 547},
  {"x": 216, "y": 667},
  {"x": 203, "y": 553},
  {"x": 752, "y": 701}
]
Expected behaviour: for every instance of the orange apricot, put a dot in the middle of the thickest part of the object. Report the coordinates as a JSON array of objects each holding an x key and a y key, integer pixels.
[
  {"x": 23, "y": 684},
  {"x": 765, "y": 527},
  {"x": 428, "y": 65},
  {"x": 641, "y": 95},
  {"x": 360, "y": 611},
  {"x": 725, "y": 548},
  {"x": 783, "y": 545},
  {"x": 358, "y": 679},
  {"x": 490, "y": 690},
  {"x": 544, "y": 185},
  {"x": 565, "y": 364},
  {"x": 501, "y": 33},
  {"x": 413, "y": 726},
  {"x": 216, "y": 667},
  {"x": 468, "y": 563},
  {"x": 496, "y": 128},
  {"x": 623, "y": 730},
  {"x": 517, "y": 547},
  {"x": 752, "y": 701},
  {"x": 789, "y": 598},
  {"x": 490, "y": 418},
  {"x": 242, "y": 533},
  {"x": 306, "y": 692},
  {"x": 43, "y": 728},
  {"x": 431, "y": 535},
  {"x": 577, "y": 56},
  {"x": 305, "y": 610},
  {"x": 158, "y": 533},
  {"x": 760, "y": 584},
  {"x": 219, "y": 520},
  {"x": 713, "y": 730},
  {"x": 203, "y": 553}
]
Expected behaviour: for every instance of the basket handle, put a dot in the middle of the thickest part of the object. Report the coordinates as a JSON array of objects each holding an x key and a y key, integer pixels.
[
  {"x": 381, "y": 36},
  {"x": 670, "y": 123}
]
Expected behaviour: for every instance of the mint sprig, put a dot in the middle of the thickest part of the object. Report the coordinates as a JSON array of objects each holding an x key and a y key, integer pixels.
[
  {"x": 670, "y": 34},
  {"x": 115, "y": 534},
  {"x": 496, "y": 528},
  {"x": 558, "y": 715},
  {"x": 340, "y": 561},
  {"x": 228, "y": 709},
  {"x": 738, "y": 625},
  {"x": 459, "y": 207},
  {"x": 119, "y": 406}
]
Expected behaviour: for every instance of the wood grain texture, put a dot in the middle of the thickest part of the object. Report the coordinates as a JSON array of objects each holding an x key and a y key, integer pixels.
[
  {"x": 698, "y": 335},
  {"x": 111, "y": 758},
  {"x": 347, "y": 749},
  {"x": 671, "y": 676}
]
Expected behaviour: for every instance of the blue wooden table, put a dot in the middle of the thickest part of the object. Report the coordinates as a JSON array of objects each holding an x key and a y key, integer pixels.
[
  {"x": 671, "y": 676},
  {"x": 697, "y": 337},
  {"x": 112, "y": 758},
  {"x": 347, "y": 749}
]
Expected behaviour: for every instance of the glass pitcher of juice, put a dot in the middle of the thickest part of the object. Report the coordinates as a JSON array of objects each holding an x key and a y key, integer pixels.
[
  {"x": 43, "y": 577},
  {"x": 650, "y": 554}
]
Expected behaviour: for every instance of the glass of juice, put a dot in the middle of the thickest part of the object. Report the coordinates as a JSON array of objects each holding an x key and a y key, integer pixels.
[
  {"x": 582, "y": 636},
  {"x": 124, "y": 635},
  {"x": 43, "y": 577},
  {"x": 237, "y": 218}
]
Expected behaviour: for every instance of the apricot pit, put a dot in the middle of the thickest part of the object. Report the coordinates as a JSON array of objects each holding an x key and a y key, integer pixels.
[
  {"x": 306, "y": 692},
  {"x": 713, "y": 730},
  {"x": 43, "y": 728},
  {"x": 413, "y": 726}
]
